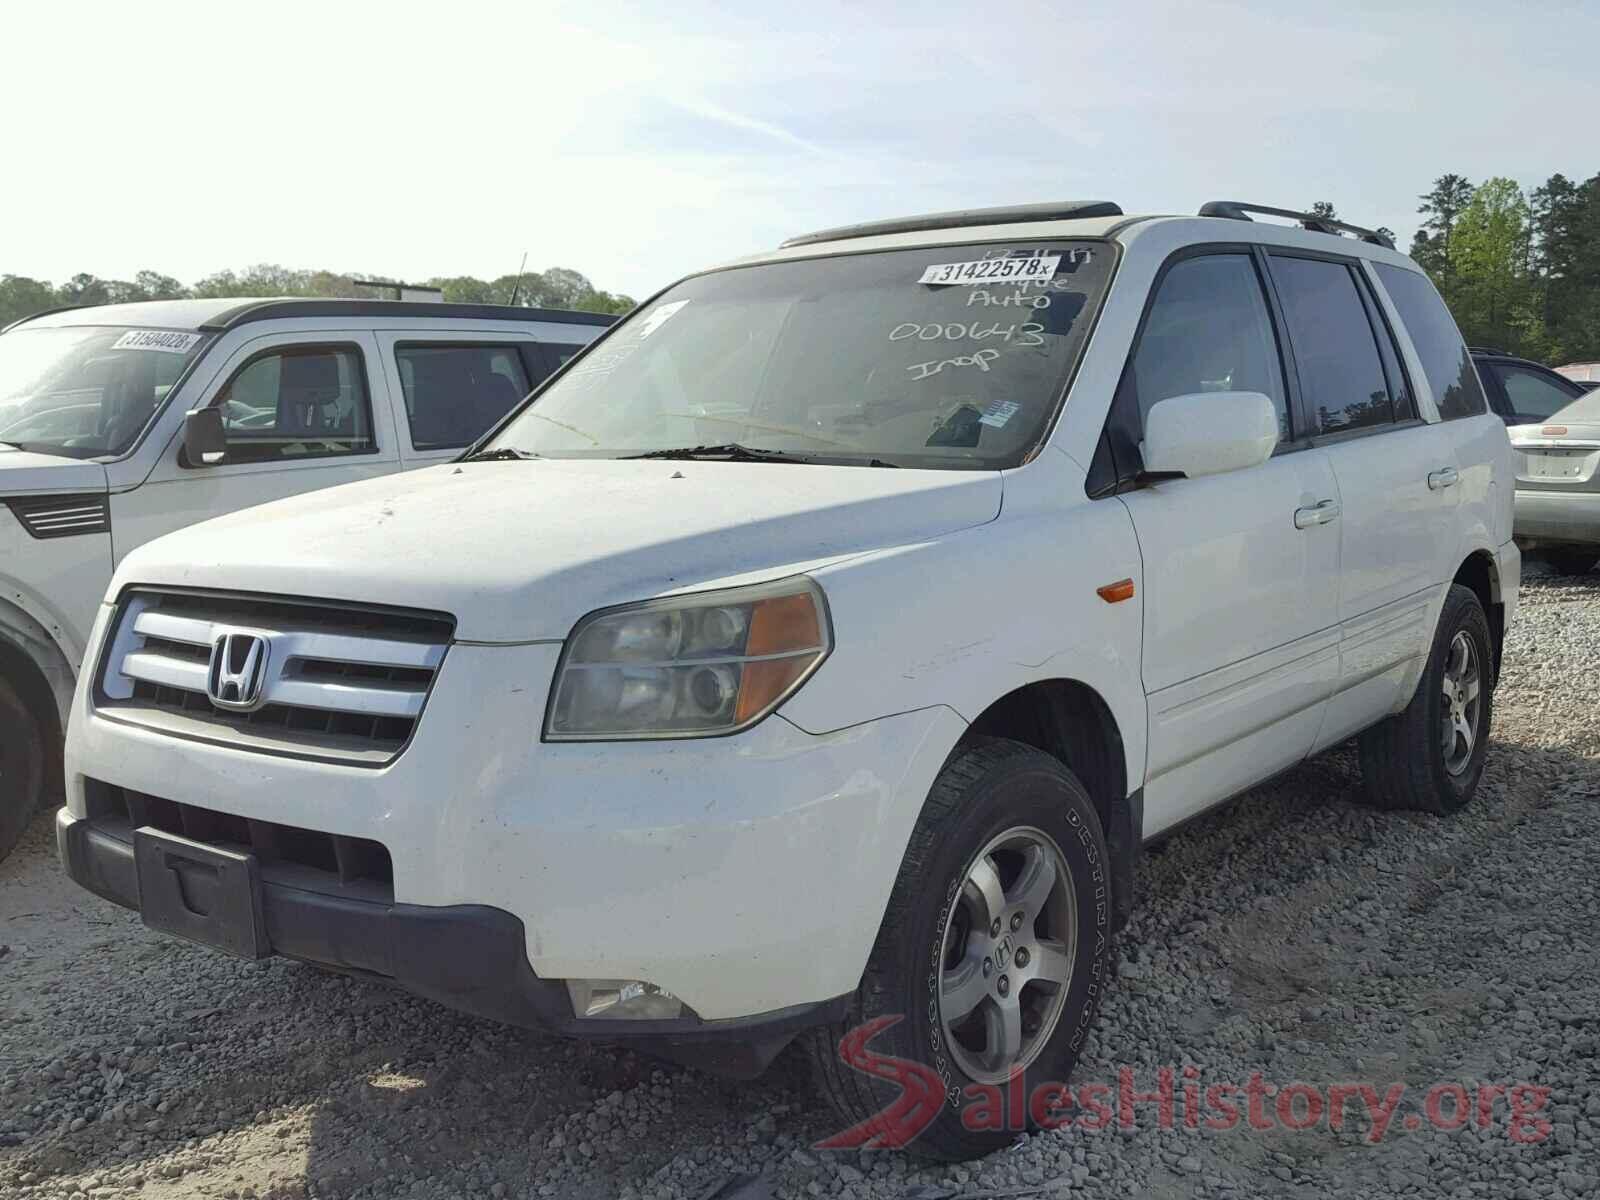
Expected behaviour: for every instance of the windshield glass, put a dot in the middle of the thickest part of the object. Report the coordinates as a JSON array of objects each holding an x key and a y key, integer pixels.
[
  {"x": 86, "y": 392},
  {"x": 948, "y": 356}
]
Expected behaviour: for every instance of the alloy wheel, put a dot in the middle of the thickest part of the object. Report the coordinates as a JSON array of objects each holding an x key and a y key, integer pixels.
[
  {"x": 1009, "y": 944},
  {"x": 1463, "y": 687}
]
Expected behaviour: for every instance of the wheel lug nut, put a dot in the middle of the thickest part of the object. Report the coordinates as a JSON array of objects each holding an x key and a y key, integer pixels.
[
  {"x": 994, "y": 930},
  {"x": 988, "y": 967},
  {"x": 1003, "y": 985},
  {"x": 1016, "y": 922},
  {"x": 1022, "y": 956}
]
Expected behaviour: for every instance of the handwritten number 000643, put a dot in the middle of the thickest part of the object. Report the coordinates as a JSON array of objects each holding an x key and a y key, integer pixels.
[{"x": 1027, "y": 334}]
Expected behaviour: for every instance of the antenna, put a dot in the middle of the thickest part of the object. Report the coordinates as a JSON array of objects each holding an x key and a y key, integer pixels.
[{"x": 521, "y": 270}]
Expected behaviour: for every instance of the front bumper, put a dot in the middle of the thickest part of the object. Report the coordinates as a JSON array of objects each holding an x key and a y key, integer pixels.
[
  {"x": 745, "y": 875},
  {"x": 1558, "y": 518},
  {"x": 467, "y": 957}
]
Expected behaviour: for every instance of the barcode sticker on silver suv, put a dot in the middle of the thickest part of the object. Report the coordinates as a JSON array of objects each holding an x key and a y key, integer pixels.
[
  {"x": 1003, "y": 269},
  {"x": 165, "y": 340}
]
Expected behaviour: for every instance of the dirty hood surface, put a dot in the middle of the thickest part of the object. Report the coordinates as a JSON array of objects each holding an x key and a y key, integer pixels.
[{"x": 518, "y": 551}]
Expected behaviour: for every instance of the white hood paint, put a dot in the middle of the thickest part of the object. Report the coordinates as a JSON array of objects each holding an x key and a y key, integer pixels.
[
  {"x": 518, "y": 551},
  {"x": 23, "y": 472}
]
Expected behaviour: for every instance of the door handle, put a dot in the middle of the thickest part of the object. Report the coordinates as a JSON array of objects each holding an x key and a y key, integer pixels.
[
  {"x": 1318, "y": 514},
  {"x": 1442, "y": 478}
]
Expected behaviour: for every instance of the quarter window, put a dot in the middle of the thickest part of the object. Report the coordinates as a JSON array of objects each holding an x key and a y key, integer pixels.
[
  {"x": 1208, "y": 330},
  {"x": 1438, "y": 343},
  {"x": 455, "y": 393},
  {"x": 1335, "y": 349},
  {"x": 298, "y": 402}
]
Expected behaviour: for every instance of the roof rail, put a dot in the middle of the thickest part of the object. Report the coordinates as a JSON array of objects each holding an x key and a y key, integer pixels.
[
  {"x": 1238, "y": 210},
  {"x": 1495, "y": 350},
  {"x": 43, "y": 312},
  {"x": 293, "y": 306},
  {"x": 1060, "y": 210}
]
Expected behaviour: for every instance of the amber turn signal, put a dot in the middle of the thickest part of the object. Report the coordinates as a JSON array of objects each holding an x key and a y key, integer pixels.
[{"x": 1115, "y": 593}]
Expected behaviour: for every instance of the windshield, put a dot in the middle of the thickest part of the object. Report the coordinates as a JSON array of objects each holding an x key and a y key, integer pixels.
[
  {"x": 948, "y": 356},
  {"x": 86, "y": 392}
]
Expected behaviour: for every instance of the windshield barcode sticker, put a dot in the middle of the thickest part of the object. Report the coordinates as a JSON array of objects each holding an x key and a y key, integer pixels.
[
  {"x": 156, "y": 339},
  {"x": 1003, "y": 269}
]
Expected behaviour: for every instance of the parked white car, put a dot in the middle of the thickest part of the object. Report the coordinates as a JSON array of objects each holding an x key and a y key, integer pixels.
[
  {"x": 817, "y": 651},
  {"x": 301, "y": 394}
]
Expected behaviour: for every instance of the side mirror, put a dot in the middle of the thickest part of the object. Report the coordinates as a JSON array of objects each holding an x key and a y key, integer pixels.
[
  {"x": 205, "y": 443},
  {"x": 1207, "y": 433}
]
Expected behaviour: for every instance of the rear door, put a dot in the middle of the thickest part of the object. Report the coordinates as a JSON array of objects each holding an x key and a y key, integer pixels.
[
  {"x": 1397, "y": 477},
  {"x": 450, "y": 387},
  {"x": 1240, "y": 641}
]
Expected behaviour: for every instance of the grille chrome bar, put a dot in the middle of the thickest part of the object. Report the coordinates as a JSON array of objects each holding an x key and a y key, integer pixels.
[{"x": 288, "y": 643}]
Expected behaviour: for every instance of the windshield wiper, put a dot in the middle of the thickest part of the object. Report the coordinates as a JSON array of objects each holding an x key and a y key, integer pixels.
[
  {"x": 503, "y": 454},
  {"x": 732, "y": 451}
]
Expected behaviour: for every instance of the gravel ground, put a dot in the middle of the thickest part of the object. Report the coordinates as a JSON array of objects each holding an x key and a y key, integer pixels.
[{"x": 1293, "y": 933}]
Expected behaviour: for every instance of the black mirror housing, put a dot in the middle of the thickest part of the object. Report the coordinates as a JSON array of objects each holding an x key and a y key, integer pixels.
[{"x": 205, "y": 443}]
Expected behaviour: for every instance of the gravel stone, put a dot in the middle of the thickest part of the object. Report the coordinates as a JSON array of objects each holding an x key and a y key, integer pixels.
[{"x": 1295, "y": 933}]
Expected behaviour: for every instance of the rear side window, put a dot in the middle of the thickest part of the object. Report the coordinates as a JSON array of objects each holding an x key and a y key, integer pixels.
[
  {"x": 1534, "y": 396},
  {"x": 1208, "y": 330},
  {"x": 298, "y": 402},
  {"x": 454, "y": 393},
  {"x": 1335, "y": 348},
  {"x": 1433, "y": 331}
]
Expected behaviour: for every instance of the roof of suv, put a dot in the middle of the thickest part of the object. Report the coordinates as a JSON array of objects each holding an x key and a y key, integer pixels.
[
  {"x": 228, "y": 312},
  {"x": 1069, "y": 219}
]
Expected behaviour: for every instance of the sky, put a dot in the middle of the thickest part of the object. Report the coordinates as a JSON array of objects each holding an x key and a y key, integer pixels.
[{"x": 638, "y": 142}]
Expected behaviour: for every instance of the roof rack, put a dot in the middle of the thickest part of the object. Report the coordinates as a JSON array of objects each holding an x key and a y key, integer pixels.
[
  {"x": 1238, "y": 210},
  {"x": 1060, "y": 210}
]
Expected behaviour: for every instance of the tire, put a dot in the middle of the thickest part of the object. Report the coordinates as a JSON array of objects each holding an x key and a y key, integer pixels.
[
  {"x": 1010, "y": 806},
  {"x": 1572, "y": 562},
  {"x": 23, "y": 766},
  {"x": 1405, "y": 762}
]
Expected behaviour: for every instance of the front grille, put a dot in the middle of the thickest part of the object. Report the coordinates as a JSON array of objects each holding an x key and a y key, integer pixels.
[
  {"x": 305, "y": 858},
  {"x": 337, "y": 682},
  {"x": 62, "y": 516}
]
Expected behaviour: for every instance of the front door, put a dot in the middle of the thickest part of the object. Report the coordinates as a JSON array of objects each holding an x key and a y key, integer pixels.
[
  {"x": 1241, "y": 640},
  {"x": 301, "y": 412}
]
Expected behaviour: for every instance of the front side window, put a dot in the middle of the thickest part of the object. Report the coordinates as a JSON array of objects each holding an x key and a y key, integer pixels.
[
  {"x": 87, "y": 391},
  {"x": 943, "y": 357},
  {"x": 455, "y": 393},
  {"x": 1445, "y": 361},
  {"x": 1335, "y": 348},
  {"x": 298, "y": 402},
  {"x": 1208, "y": 330},
  {"x": 1534, "y": 396}
]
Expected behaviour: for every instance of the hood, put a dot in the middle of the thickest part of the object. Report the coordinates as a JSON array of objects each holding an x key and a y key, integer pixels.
[
  {"x": 518, "y": 551},
  {"x": 23, "y": 472}
]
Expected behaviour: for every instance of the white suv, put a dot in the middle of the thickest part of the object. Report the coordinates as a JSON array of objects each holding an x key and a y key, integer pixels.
[
  {"x": 816, "y": 651},
  {"x": 294, "y": 395}
]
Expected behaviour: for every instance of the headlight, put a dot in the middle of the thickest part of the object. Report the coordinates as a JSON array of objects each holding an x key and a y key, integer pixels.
[{"x": 688, "y": 666}]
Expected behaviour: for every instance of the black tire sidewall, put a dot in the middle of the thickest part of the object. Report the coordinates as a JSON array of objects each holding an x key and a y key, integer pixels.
[
  {"x": 1028, "y": 789},
  {"x": 1462, "y": 613},
  {"x": 22, "y": 766}
]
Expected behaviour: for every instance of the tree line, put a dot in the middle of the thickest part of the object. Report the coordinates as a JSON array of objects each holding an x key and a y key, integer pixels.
[
  {"x": 558, "y": 287},
  {"x": 1519, "y": 269}
]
